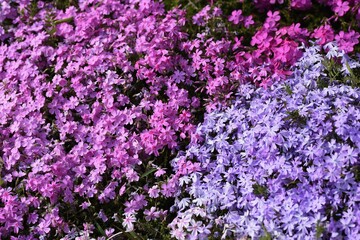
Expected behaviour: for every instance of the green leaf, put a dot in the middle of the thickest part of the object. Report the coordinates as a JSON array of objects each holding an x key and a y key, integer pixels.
[
  {"x": 148, "y": 172},
  {"x": 99, "y": 228},
  {"x": 260, "y": 190},
  {"x": 267, "y": 235},
  {"x": 65, "y": 20},
  {"x": 295, "y": 117},
  {"x": 319, "y": 230},
  {"x": 288, "y": 89}
]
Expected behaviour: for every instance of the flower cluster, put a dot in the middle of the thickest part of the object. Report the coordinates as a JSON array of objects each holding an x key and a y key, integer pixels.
[
  {"x": 339, "y": 7},
  {"x": 244, "y": 48},
  {"x": 90, "y": 98},
  {"x": 281, "y": 163},
  {"x": 97, "y": 96}
]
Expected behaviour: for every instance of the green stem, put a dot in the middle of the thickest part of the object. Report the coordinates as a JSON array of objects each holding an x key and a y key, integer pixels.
[{"x": 65, "y": 20}]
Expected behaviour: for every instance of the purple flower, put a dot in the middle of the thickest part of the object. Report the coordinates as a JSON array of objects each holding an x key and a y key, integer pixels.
[{"x": 282, "y": 168}]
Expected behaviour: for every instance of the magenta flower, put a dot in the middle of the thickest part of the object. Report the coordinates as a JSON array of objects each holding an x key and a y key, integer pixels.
[
  {"x": 236, "y": 17},
  {"x": 324, "y": 34},
  {"x": 341, "y": 7},
  {"x": 347, "y": 40}
]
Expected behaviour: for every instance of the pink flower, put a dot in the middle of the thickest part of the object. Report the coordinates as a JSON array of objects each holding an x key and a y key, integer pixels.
[
  {"x": 261, "y": 38},
  {"x": 151, "y": 214},
  {"x": 160, "y": 172},
  {"x": 128, "y": 222},
  {"x": 178, "y": 76},
  {"x": 323, "y": 34},
  {"x": 203, "y": 16},
  {"x": 103, "y": 216},
  {"x": 236, "y": 17},
  {"x": 248, "y": 21},
  {"x": 178, "y": 234},
  {"x": 44, "y": 226},
  {"x": 273, "y": 16},
  {"x": 122, "y": 190},
  {"x": 109, "y": 232},
  {"x": 301, "y": 4},
  {"x": 131, "y": 175},
  {"x": 154, "y": 192},
  {"x": 341, "y": 7},
  {"x": 33, "y": 217},
  {"x": 347, "y": 40},
  {"x": 85, "y": 205}
]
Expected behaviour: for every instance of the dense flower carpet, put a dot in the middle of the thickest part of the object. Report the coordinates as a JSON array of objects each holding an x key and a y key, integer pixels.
[{"x": 175, "y": 119}]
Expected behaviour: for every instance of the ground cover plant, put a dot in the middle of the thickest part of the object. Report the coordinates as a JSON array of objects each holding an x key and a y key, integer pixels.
[
  {"x": 97, "y": 98},
  {"x": 279, "y": 163}
]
